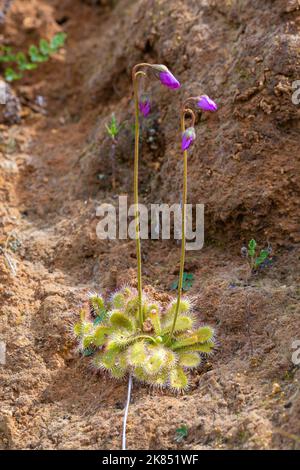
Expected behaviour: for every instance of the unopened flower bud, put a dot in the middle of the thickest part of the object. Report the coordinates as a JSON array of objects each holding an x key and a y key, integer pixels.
[
  {"x": 165, "y": 76},
  {"x": 207, "y": 104},
  {"x": 188, "y": 137}
]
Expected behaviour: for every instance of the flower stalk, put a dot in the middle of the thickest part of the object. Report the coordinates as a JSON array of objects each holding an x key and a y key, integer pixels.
[
  {"x": 167, "y": 79},
  {"x": 188, "y": 136},
  {"x": 184, "y": 112},
  {"x": 135, "y": 76}
]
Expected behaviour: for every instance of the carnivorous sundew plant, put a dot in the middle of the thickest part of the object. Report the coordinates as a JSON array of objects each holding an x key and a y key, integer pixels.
[
  {"x": 111, "y": 330},
  {"x": 131, "y": 334}
]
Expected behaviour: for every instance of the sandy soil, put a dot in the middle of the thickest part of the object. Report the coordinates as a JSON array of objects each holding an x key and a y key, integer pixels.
[{"x": 55, "y": 169}]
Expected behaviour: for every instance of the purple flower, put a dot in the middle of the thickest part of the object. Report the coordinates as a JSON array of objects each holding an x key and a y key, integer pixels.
[
  {"x": 207, "y": 104},
  {"x": 168, "y": 79},
  {"x": 165, "y": 76},
  {"x": 188, "y": 137},
  {"x": 144, "y": 106}
]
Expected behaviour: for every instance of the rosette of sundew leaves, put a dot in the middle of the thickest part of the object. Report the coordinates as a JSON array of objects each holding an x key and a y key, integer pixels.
[{"x": 111, "y": 333}]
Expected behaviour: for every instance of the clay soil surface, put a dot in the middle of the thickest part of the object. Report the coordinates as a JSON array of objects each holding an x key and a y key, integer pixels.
[{"x": 55, "y": 170}]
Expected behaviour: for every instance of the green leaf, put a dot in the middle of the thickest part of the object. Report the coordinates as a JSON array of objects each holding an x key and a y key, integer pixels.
[
  {"x": 262, "y": 257},
  {"x": 11, "y": 75},
  {"x": 35, "y": 55},
  {"x": 181, "y": 433},
  {"x": 6, "y": 54},
  {"x": 100, "y": 335},
  {"x": 77, "y": 329},
  {"x": 23, "y": 64},
  {"x": 117, "y": 372},
  {"x": 205, "y": 333},
  {"x": 120, "y": 320},
  {"x": 189, "y": 359},
  {"x": 87, "y": 341},
  {"x": 137, "y": 354},
  {"x": 113, "y": 127},
  {"x": 106, "y": 359},
  {"x": 156, "y": 360},
  {"x": 28, "y": 66},
  {"x": 182, "y": 323},
  {"x": 205, "y": 348},
  {"x": 187, "y": 282},
  {"x": 188, "y": 276},
  {"x": 252, "y": 247},
  {"x": 178, "y": 379},
  {"x": 98, "y": 320},
  {"x": 44, "y": 47},
  {"x": 97, "y": 307},
  {"x": 57, "y": 41},
  {"x": 21, "y": 58},
  {"x": 118, "y": 300}
]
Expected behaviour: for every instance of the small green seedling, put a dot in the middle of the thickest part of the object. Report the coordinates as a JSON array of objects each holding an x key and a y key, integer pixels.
[
  {"x": 19, "y": 62},
  {"x": 181, "y": 433},
  {"x": 113, "y": 129},
  {"x": 256, "y": 260},
  {"x": 187, "y": 282}
]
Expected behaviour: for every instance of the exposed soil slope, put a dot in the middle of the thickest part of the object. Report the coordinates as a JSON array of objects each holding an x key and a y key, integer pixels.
[{"x": 55, "y": 169}]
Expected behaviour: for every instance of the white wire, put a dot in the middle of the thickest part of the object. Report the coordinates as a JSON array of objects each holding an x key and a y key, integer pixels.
[{"x": 126, "y": 413}]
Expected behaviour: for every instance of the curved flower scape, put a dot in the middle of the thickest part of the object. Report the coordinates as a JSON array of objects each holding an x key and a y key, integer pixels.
[
  {"x": 111, "y": 334},
  {"x": 188, "y": 137}
]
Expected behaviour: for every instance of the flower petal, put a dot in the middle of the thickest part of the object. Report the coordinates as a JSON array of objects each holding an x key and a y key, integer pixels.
[
  {"x": 188, "y": 138},
  {"x": 186, "y": 142},
  {"x": 145, "y": 107}
]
